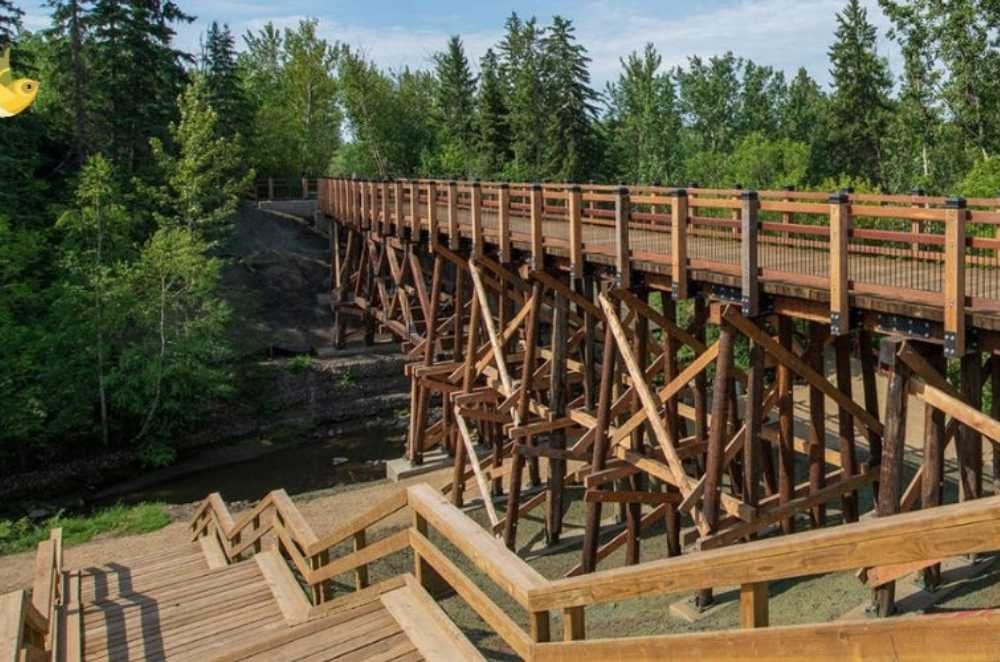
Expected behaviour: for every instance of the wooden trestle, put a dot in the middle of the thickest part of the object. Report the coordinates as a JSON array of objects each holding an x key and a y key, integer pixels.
[{"x": 588, "y": 334}]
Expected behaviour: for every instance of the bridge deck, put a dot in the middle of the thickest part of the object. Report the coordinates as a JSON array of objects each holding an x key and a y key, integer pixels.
[{"x": 175, "y": 606}]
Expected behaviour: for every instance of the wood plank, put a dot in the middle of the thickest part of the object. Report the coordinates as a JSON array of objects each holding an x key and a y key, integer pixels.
[
  {"x": 374, "y": 551},
  {"x": 963, "y": 528},
  {"x": 434, "y": 634},
  {"x": 964, "y": 635},
  {"x": 390, "y": 505},
  {"x": 288, "y": 594},
  {"x": 212, "y": 550}
]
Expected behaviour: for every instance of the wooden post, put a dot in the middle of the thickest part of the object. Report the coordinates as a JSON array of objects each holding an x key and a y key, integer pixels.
[
  {"x": 753, "y": 605},
  {"x": 574, "y": 208},
  {"x": 432, "y": 217},
  {"x": 476, "y": 213},
  {"x": 753, "y": 415},
  {"x": 397, "y": 207},
  {"x": 717, "y": 431},
  {"x": 931, "y": 485},
  {"x": 786, "y": 440},
  {"x": 787, "y": 217},
  {"x": 425, "y": 574},
  {"x": 574, "y": 625},
  {"x": 748, "y": 246},
  {"x": 591, "y": 536},
  {"x": 970, "y": 441},
  {"x": 845, "y": 424},
  {"x": 954, "y": 277},
  {"x": 623, "y": 214},
  {"x": 305, "y": 188},
  {"x": 270, "y": 188},
  {"x": 362, "y": 194},
  {"x": 817, "y": 424},
  {"x": 678, "y": 244},
  {"x": 414, "y": 210},
  {"x": 503, "y": 222},
  {"x": 361, "y": 573},
  {"x": 868, "y": 368},
  {"x": 840, "y": 227},
  {"x": 537, "y": 228},
  {"x": 384, "y": 195},
  {"x": 894, "y": 447},
  {"x": 454, "y": 237},
  {"x": 557, "y": 403}
]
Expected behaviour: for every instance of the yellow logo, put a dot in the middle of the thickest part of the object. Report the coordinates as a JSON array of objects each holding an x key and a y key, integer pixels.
[{"x": 15, "y": 95}]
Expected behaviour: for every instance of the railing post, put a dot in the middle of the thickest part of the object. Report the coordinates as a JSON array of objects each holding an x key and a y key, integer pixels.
[
  {"x": 361, "y": 572},
  {"x": 454, "y": 236},
  {"x": 305, "y": 188},
  {"x": 270, "y": 188},
  {"x": 372, "y": 208},
  {"x": 748, "y": 245},
  {"x": 540, "y": 626},
  {"x": 678, "y": 244},
  {"x": 574, "y": 625},
  {"x": 414, "y": 210},
  {"x": 840, "y": 228},
  {"x": 753, "y": 605},
  {"x": 363, "y": 193},
  {"x": 425, "y": 574},
  {"x": 786, "y": 216},
  {"x": 432, "y": 216},
  {"x": 916, "y": 226},
  {"x": 397, "y": 207},
  {"x": 503, "y": 221},
  {"x": 623, "y": 215},
  {"x": 954, "y": 277},
  {"x": 537, "y": 224},
  {"x": 574, "y": 204},
  {"x": 476, "y": 212},
  {"x": 384, "y": 194}
]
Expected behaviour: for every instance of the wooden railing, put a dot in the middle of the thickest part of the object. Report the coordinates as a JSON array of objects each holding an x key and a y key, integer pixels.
[
  {"x": 284, "y": 188},
  {"x": 893, "y": 544},
  {"x": 932, "y": 251},
  {"x": 29, "y": 624}
]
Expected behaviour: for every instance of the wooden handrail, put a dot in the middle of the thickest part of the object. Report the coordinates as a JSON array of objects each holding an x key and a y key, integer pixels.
[{"x": 942, "y": 532}]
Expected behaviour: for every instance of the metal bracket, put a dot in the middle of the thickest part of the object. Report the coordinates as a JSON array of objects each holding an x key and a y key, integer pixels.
[
  {"x": 728, "y": 293},
  {"x": 906, "y": 326},
  {"x": 971, "y": 342}
]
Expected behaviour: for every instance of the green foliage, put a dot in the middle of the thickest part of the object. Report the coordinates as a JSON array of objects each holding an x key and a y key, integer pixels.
[
  {"x": 23, "y": 535},
  {"x": 643, "y": 125},
  {"x": 289, "y": 81},
  {"x": 454, "y": 108},
  {"x": 203, "y": 179},
  {"x": 223, "y": 87},
  {"x": 982, "y": 181},
  {"x": 300, "y": 364},
  {"x": 762, "y": 163}
]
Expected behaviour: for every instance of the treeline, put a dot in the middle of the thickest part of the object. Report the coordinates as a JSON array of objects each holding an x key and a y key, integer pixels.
[
  {"x": 120, "y": 186},
  {"x": 532, "y": 113}
]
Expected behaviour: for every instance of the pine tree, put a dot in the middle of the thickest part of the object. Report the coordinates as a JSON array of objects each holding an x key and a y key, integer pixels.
[
  {"x": 571, "y": 149},
  {"x": 643, "y": 122},
  {"x": 802, "y": 111},
  {"x": 10, "y": 22},
  {"x": 763, "y": 92},
  {"x": 522, "y": 75},
  {"x": 860, "y": 104},
  {"x": 70, "y": 75},
  {"x": 454, "y": 99},
  {"x": 222, "y": 83},
  {"x": 491, "y": 115},
  {"x": 140, "y": 73}
]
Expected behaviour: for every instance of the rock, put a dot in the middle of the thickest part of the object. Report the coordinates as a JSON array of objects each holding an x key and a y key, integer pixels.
[{"x": 337, "y": 461}]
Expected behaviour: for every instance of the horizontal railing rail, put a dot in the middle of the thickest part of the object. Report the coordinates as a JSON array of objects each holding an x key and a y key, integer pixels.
[
  {"x": 939, "y": 252},
  {"x": 899, "y": 541},
  {"x": 284, "y": 188}
]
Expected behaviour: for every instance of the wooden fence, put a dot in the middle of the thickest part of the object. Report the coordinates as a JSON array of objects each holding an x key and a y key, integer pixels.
[
  {"x": 933, "y": 252},
  {"x": 900, "y": 541},
  {"x": 283, "y": 188}
]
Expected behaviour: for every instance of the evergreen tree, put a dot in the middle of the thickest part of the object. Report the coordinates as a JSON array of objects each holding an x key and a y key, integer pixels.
[
  {"x": 801, "y": 114},
  {"x": 860, "y": 104},
  {"x": 571, "y": 149},
  {"x": 140, "y": 73},
  {"x": 68, "y": 79},
  {"x": 10, "y": 22},
  {"x": 643, "y": 122},
  {"x": 455, "y": 100},
  {"x": 204, "y": 174},
  {"x": 491, "y": 115},
  {"x": 763, "y": 93},
  {"x": 222, "y": 83},
  {"x": 522, "y": 74}
]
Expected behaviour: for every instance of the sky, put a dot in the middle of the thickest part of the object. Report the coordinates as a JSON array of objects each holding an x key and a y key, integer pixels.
[{"x": 785, "y": 34}]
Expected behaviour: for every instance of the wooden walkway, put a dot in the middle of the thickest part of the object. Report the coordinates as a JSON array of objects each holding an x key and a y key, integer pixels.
[{"x": 177, "y": 606}]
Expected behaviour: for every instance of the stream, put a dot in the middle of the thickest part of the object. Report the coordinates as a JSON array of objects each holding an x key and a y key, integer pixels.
[{"x": 353, "y": 456}]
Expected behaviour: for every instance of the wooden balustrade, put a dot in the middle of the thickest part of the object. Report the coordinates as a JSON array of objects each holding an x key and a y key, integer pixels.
[
  {"x": 914, "y": 249},
  {"x": 28, "y": 623}
]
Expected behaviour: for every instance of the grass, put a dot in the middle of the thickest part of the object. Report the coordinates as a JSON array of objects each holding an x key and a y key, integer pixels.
[{"x": 23, "y": 534}]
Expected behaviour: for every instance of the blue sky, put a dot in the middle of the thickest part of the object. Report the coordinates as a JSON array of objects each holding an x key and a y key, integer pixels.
[{"x": 781, "y": 33}]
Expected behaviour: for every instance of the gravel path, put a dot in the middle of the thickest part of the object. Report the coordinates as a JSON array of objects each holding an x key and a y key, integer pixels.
[{"x": 323, "y": 510}]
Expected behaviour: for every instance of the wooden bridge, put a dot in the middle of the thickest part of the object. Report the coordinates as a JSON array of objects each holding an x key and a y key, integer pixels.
[{"x": 586, "y": 339}]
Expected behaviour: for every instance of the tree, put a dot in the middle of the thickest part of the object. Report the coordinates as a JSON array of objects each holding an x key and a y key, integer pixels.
[
  {"x": 491, "y": 116},
  {"x": 571, "y": 149},
  {"x": 859, "y": 105},
  {"x": 522, "y": 76},
  {"x": 761, "y": 98},
  {"x": 10, "y": 22},
  {"x": 454, "y": 99},
  {"x": 140, "y": 74},
  {"x": 204, "y": 174},
  {"x": 69, "y": 77},
  {"x": 802, "y": 119},
  {"x": 643, "y": 124},
  {"x": 710, "y": 100},
  {"x": 222, "y": 83}
]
